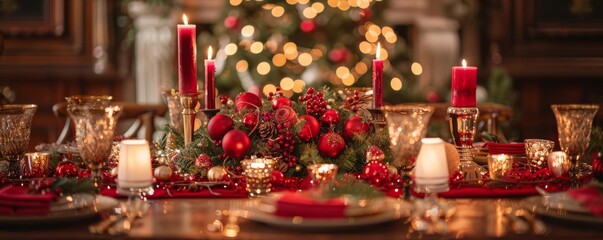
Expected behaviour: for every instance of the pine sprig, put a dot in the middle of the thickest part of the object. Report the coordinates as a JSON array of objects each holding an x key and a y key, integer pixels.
[
  {"x": 349, "y": 186},
  {"x": 67, "y": 186}
]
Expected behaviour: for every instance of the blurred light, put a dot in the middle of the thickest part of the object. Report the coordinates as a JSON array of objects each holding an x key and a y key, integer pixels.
[
  {"x": 291, "y": 2},
  {"x": 269, "y": 88},
  {"x": 257, "y": 47},
  {"x": 387, "y": 30},
  {"x": 289, "y": 48},
  {"x": 316, "y": 53},
  {"x": 343, "y": 5},
  {"x": 391, "y": 38},
  {"x": 396, "y": 84},
  {"x": 353, "y": 3},
  {"x": 268, "y": 6},
  {"x": 416, "y": 68},
  {"x": 309, "y": 13},
  {"x": 242, "y": 66},
  {"x": 332, "y": 3},
  {"x": 287, "y": 83},
  {"x": 278, "y": 11},
  {"x": 348, "y": 80},
  {"x": 298, "y": 85},
  {"x": 247, "y": 31},
  {"x": 370, "y": 37},
  {"x": 374, "y": 30},
  {"x": 361, "y": 68},
  {"x": 230, "y": 49},
  {"x": 288, "y": 93},
  {"x": 319, "y": 7},
  {"x": 235, "y": 2},
  {"x": 279, "y": 60},
  {"x": 365, "y": 47},
  {"x": 364, "y": 4},
  {"x": 303, "y": 1},
  {"x": 305, "y": 59},
  {"x": 263, "y": 68},
  {"x": 342, "y": 71}
]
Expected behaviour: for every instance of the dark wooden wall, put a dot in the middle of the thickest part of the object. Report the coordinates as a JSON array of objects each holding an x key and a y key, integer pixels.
[
  {"x": 553, "y": 49},
  {"x": 49, "y": 55}
]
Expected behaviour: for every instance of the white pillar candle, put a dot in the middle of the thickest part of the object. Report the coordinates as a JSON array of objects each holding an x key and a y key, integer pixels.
[
  {"x": 431, "y": 168},
  {"x": 134, "y": 169}
]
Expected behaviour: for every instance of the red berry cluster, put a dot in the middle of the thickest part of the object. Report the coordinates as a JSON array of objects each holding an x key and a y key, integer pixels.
[
  {"x": 354, "y": 103},
  {"x": 224, "y": 99},
  {"x": 315, "y": 102},
  {"x": 275, "y": 95},
  {"x": 286, "y": 143}
]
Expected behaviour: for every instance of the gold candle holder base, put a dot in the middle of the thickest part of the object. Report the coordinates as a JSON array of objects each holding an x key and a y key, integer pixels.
[
  {"x": 189, "y": 102},
  {"x": 378, "y": 118}
]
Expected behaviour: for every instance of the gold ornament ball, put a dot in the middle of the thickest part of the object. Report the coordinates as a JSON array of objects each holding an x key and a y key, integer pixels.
[
  {"x": 393, "y": 171},
  {"x": 163, "y": 173},
  {"x": 216, "y": 173}
]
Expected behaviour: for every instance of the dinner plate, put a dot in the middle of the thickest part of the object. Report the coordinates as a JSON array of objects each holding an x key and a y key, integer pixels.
[
  {"x": 393, "y": 209},
  {"x": 561, "y": 206},
  {"x": 353, "y": 208},
  {"x": 66, "y": 212},
  {"x": 72, "y": 202}
]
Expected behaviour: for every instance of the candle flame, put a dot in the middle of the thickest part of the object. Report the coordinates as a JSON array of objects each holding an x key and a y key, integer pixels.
[
  {"x": 378, "y": 55},
  {"x": 464, "y": 63},
  {"x": 209, "y": 53},
  {"x": 185, "y": 19}
]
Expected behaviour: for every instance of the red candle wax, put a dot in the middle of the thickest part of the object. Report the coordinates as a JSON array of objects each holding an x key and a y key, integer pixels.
[
  {"x": 210, "y": 86},
  {"x": 378, "y": 79},
  {"x": 464, "y": 81},
  {"x": 187, "y": 58}
]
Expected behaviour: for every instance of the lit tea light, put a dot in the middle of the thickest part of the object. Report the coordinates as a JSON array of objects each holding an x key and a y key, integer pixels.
[
  {"x": 558, "y": 163},
  {"x": 35, "y": 164},
  {"x": 499, "y": 165},
  {"x": 322, "y": 172},
  {"x": 257, "y": 175},
  {"x": 537, "y": 151}
]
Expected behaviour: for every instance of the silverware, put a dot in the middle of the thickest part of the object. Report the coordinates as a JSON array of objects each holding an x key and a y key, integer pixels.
[
  {"x": 132, "y": 211},
  {"x": 518, "y": 225},
  {"x": 100, "y": 227},
  {"x": 538, "y": 227}
]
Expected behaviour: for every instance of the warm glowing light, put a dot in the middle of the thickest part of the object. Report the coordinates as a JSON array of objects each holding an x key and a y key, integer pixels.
[
  {"x": 365, "y": 47},
  {"x": 235, "y": 2},
  {"x": 343, "y": 5},
  {"x": 184, "y": 19},
  {"x": 247, "y": 31},
  {"x": 242, "y": 66},
  {"x": 230, "y": 49},
  {"x": 348, "y": 80},
  {"x": 464, "y": 63},
  {"x": 310, "y": 13},
  {"x": 209, "y": 53},
  {"x": 342, "y": 72},
  {"x": 267, "y": 6},
  {"x": 416, "y": 68},
  {"x": 256, "y": 47},
  {"x": 396, "y": 84},
  {"x": 378, "y": 54},
  {"x": 363, "y": 4},
  {"x": 269, "y": 88},
  {"x": 298, "y": 85},
  {"x": 287, "y": 83},
  {"x": 374, "y": 30},
  {"x": 316, "y": 53},
  {"x": 332, "y": 3},
  {"x": 278, "y": 11},
  {"x": 361, "y": 68},
  {"x": 319, "y": 7},
  {"x": 279, "y": 60},
  {"x": 305, "y": 59},
  {"x": 303, "y": 1},
  {"x": 263, "y": 68},
  {"x": 289, "y": 48}
]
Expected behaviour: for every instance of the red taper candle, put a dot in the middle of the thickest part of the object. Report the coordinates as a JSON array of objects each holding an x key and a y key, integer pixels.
[
  {"x": 210, "y": 84},
  {"x": 187, "y": 57},
  {"x": 464, "y": 83},
  {"x": 378, "y": 79}
]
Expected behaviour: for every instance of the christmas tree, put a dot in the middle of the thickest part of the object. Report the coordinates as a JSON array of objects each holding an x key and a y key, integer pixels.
[{"x": 297, "y": 44}]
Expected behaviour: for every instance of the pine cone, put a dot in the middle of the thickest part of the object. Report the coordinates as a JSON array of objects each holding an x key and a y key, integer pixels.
[{"x": 267, "y": 129}]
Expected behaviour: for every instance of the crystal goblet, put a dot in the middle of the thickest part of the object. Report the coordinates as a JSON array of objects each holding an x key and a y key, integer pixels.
[
  {"x": 94, "y": 130},
  {"x": 15, "y": 129},
  {"x": 574, "y": 123},
  {"x": 407, "y": 125}
]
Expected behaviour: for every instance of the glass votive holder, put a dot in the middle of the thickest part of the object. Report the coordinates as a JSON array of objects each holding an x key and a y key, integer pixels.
[
  {"x": 322, "y": 173},
  {"x": 257, "y": 175},
  {"x": 537, "y": 151},
  {"x": 559, "y": 163},
  {"x": 499, "y": 165},
  {"x": 35, "y": 164}
]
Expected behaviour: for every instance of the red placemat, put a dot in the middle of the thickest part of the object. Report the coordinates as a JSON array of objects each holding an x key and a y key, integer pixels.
[{"x": 202, "y": 193}]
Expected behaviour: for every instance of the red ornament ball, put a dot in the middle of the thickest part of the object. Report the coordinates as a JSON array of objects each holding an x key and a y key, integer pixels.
[
  {"x": 598, "y": 165},
  {"x": 310, "y": 128},
  {"x": 285, "y": 114},
  {"x": 66, "y": 169},
  {"x": 433, "y": 96},
  {"x": 250, "y": 120},
  {"x": 280, "y": 102},
  {"x": 277, "y": 178},
  {"x": 339, "y": 55},
  {"x": 231, "y": 22},
  {"x": 355, "y": 126},
  {"x": 236, "y": 143},
  {"x": 375, "y": 173},
  {"x": 219, "y": 125},
  {"x": 307, "y": 26},
  {"x": 374, "y": 153},
  {"x": 247, "y": 100},
  {"x": 203, "y": 161},
  {"x": 331, "y": 145},
  {"x": 330, "y": 117}
]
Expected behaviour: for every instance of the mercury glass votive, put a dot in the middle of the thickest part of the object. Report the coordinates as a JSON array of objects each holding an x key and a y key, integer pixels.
[
  {"x": 34, "y": 165},
  {"x": 499, "y": 165},
  {"x": 537, "y": 151},
  {"x": 257, "y": 175},
  {"x": 322, "y": 173},
  {"x": 574, "y": 123},
  {"x": 558, "y": 163}
]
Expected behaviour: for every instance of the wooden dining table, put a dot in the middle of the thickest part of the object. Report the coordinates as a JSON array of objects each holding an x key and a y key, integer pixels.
[{"x": 188, "y": 218}]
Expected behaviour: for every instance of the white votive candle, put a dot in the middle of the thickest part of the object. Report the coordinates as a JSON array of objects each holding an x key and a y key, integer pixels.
[{"x": 134, "y": 169}]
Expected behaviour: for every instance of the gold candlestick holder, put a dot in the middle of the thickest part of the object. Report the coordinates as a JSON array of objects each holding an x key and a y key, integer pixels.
[{"x": 189, "y": 102}]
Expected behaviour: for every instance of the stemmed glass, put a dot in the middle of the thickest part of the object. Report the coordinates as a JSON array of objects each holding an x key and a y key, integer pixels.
[
  {"x": 15, "y": 129},
  {"x": 574, "y": 123},
  {"x": 406, "y": 125},
  {"x": 94, "y": 130}
]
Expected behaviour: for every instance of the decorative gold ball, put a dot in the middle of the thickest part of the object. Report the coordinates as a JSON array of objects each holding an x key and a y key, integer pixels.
[
  {"x": 162, "y": 159},
  {"x": 163, "y": 173},
  {"x": 216, "y": 173},
  {"x": 393, "y": 171}
]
